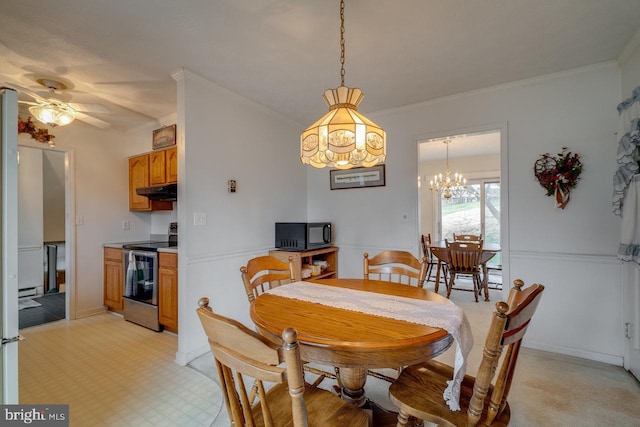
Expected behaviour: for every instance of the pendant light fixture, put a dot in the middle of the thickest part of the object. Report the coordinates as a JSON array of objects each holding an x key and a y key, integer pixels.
[
  {"x": 343, "y": 138},
  {"x": 447, "y": 186}
]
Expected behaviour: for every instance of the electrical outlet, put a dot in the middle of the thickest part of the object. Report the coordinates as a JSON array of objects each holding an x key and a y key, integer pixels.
[
  {"x": 125, "y": 225},
  {"x": 199, "y": 218},
  {"x": 79, "y": 220}
]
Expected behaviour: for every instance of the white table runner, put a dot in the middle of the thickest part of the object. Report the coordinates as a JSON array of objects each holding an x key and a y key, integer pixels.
[{"x": 447, "y": 316}]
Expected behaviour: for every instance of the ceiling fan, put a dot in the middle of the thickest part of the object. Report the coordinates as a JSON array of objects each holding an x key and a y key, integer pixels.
[{"x": 53, "y": 108}]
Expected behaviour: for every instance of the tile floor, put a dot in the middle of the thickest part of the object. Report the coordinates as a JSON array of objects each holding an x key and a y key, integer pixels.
[{"x": 113, "y": 373}]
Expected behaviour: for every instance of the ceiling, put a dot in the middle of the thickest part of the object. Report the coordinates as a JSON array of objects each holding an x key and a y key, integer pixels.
[{"x": 285, "y": 53}]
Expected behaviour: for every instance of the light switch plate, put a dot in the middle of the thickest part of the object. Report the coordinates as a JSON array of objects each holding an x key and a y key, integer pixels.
[{"x": 199, "y": 218}]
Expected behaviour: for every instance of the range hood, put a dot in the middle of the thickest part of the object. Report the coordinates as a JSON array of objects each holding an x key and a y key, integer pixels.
[{"x": 166, "y": 192}]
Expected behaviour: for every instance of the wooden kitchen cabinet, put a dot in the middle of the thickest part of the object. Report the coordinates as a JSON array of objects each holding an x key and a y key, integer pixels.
[
  {"x": 113, "y": 279},
  {"x": 163, "y": 167},
  {"x": 168, "y": 290},
  {"x": 171, "y": 163},
  {"x": 330, "y": 255},
  {"x": 139, "y": 176}
]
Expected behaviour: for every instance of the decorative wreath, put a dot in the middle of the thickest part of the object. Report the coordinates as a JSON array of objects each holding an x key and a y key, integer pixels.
[
  {"x": 39, "y": 134},
  {"x": 558, "y": 175}
]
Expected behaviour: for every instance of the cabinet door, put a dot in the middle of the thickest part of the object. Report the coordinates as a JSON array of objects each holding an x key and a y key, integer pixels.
[
  {"x": 157, "y": 168},
  {"x": 171, "y": 162},
  {"x": 138, "y": 177},
  {"x": 113, "y": 279},
  {"x": 168, "y": 291}
]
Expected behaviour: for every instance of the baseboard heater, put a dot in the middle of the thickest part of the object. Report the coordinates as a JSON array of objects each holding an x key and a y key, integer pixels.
[
  {"x": 142, "y": 314},
  {"x": 26, "y": 292}
]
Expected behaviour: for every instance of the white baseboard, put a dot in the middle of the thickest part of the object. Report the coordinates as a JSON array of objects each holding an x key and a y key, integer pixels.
[
  {"x": 90, "y": 312},
  {"x": 609, "y": 359},
  {"x": 182, "y": 358}
]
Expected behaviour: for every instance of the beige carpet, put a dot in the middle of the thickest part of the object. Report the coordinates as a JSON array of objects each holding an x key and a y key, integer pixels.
[{"x": 548, "y": 390}]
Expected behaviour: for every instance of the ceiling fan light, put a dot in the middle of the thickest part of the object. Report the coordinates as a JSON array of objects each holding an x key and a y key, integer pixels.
[{"x": 52, "y": 114}]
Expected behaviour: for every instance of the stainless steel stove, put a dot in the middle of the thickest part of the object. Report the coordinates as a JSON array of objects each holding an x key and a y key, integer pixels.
[{"x": 140, "y": 261}]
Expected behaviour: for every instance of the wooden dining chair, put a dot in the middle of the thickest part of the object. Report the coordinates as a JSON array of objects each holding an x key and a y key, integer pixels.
[
  {"x": 418, "y": 391},
  {"x": 266, "y": 272},
  {"x": 465, "y": 258},
  {"x": 399, "y": 267},
  {"x": 241, "y": 355},
  {"x": 467, "y": 237},
  {"x": 432, "y": 261},
  {"x": 396, "y": 266}
]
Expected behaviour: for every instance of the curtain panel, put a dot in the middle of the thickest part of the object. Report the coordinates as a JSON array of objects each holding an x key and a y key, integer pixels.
[{"x": 626, "y": 181}]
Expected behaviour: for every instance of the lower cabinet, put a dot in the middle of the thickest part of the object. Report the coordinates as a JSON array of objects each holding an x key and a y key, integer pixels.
[
  {"x": 168, "y": 291},
  {"x": 113, "y": 278}
]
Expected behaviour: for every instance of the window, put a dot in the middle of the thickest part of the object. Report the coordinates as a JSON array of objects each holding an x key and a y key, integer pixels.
[{"x": 474, "y": 211}]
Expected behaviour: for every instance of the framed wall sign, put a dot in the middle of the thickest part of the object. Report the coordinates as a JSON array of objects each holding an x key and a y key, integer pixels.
[
  {"x": 164, "y": 137},
  {"x": 357, "y": 177}
]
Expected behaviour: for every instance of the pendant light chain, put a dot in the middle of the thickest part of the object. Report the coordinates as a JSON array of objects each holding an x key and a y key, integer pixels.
[
  {"x": 341, "y": 42},
  {"x": 447, "y": 142},
  {"x": 343, "y": 138}
]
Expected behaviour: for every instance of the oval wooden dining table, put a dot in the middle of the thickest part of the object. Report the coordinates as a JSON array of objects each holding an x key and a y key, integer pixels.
[{"x": 350, "y": 340}]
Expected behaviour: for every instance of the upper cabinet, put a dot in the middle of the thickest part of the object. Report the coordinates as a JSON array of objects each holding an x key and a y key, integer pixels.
[
  {"x": 156, "y": 168},
  {"x": 163, "y": 167}
]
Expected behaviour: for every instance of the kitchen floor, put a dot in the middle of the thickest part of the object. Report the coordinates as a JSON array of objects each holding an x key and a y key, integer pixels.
[{"x": 113, "y": 373}]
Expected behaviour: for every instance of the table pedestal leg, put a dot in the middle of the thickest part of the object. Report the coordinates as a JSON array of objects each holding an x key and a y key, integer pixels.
[{"x": 353, "y": 380}]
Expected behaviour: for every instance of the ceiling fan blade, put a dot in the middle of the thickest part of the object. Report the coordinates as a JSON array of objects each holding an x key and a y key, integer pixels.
[
  {"x": 89, "y": 108},
  {"x": 28, "y": 103},
  {"x": 26, "y": 91},
  {"x": 92, "y": 120}
]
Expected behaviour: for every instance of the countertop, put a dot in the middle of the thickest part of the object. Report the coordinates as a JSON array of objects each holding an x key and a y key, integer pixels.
[{"x": 172, "y": 249}]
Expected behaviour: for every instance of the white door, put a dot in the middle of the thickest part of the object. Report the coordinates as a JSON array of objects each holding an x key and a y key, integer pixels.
[
  {"x": 9, "y": 246},
  {"x": 631, "y": 296}
]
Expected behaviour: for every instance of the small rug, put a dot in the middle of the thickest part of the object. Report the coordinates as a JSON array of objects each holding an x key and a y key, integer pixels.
[{"x": 27, "y": 303}]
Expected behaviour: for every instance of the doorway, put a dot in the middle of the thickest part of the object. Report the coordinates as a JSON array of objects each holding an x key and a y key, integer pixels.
[
  {"x": 480, "y": 156},
  {"x": 41, "y": 236}
]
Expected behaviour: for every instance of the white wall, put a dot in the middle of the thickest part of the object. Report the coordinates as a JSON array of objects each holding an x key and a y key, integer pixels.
[
  {"x": 223, "y": 136},
  {"x": 101, "y": 199},
  {"x": 630, "y": 68},
  {"x": 53, "y": 195},
  {"x": 30, "y": 220},
  {"x": 570, "y": 251}
]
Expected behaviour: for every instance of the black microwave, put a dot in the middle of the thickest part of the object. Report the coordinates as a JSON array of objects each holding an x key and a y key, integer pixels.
[{"x": 301, "y": 236}]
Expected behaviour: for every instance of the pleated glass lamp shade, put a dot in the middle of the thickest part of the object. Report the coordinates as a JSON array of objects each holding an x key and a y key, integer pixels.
[{"x": 343, "y": 138}]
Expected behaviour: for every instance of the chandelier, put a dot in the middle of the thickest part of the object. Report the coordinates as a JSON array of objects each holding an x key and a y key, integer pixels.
[
  {"x": 343, "y": 138},
  {"x": 53, "y": 114},
  {"x": 447, "y": 186}
]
